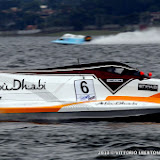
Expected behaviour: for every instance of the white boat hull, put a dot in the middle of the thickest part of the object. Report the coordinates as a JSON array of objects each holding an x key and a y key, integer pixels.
[{"x": 76, "y": 95}]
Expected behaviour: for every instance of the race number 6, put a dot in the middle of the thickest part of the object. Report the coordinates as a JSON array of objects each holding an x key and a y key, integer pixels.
[{"x": 84, "y": 87}]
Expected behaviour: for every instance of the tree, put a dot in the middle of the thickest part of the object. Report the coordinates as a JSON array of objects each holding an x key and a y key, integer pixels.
[{"x": 31, "y": 6}]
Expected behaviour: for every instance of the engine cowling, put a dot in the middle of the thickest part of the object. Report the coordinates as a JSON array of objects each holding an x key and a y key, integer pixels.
[{"x": 88, "y": 38}]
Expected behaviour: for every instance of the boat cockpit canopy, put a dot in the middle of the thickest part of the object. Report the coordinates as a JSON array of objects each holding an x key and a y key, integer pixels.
[{"x": 122, "y": 69}]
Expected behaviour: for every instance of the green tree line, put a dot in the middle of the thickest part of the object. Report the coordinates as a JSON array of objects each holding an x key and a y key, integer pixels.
[{"x": 76, "y": 13}]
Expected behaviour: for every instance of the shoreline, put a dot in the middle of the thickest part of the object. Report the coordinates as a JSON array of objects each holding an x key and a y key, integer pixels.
[
  {"x": 60, "y": 33},
  {"x": 84, "y": 32}
]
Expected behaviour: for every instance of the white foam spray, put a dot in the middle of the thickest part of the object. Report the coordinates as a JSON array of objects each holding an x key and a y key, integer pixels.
[{"x": 148, "y": 36}]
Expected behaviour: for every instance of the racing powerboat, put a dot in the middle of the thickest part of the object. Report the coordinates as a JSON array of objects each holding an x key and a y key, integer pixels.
[
  {"x": 72, "y": 39},
  {"x": 96, "y": 90}
]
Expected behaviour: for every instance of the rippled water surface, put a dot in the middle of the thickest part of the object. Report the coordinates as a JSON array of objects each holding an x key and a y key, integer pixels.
[{"x": 79, "y": 139}]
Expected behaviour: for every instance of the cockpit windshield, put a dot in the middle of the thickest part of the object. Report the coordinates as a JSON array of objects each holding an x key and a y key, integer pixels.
[
  {"x": 123, "y": 71},
  {"x": 115, "y": 70}
]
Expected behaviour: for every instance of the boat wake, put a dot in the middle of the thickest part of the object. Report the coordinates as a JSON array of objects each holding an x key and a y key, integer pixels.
[{"x": 148, "y": 36}]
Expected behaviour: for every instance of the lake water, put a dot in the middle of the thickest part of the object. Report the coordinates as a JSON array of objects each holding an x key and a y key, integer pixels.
[{"x": 78, "y": 139}]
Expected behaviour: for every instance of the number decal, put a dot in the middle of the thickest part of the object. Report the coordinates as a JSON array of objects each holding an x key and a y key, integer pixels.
[{"x": 84, "y": 88}]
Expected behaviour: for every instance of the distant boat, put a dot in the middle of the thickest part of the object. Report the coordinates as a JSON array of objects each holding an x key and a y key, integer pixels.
[{"x": 72, "y": 39}]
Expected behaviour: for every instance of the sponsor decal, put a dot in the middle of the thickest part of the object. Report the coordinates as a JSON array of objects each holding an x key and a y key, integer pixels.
[
  {"x": 148, "y": 87},
  {"x": 114, "y": 80},
  {"x": 116, "y": 103},
  {"x": 23, "y": 85},
  {"x": 88, "y": 98},
  {"x": 113, "y": 84}
]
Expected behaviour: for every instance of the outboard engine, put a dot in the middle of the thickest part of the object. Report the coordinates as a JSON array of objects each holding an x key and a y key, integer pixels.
[{"x": 88, "y": 38}]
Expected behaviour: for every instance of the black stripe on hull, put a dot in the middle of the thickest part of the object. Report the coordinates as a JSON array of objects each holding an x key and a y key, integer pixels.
[{"x": 118, "y": 115}]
